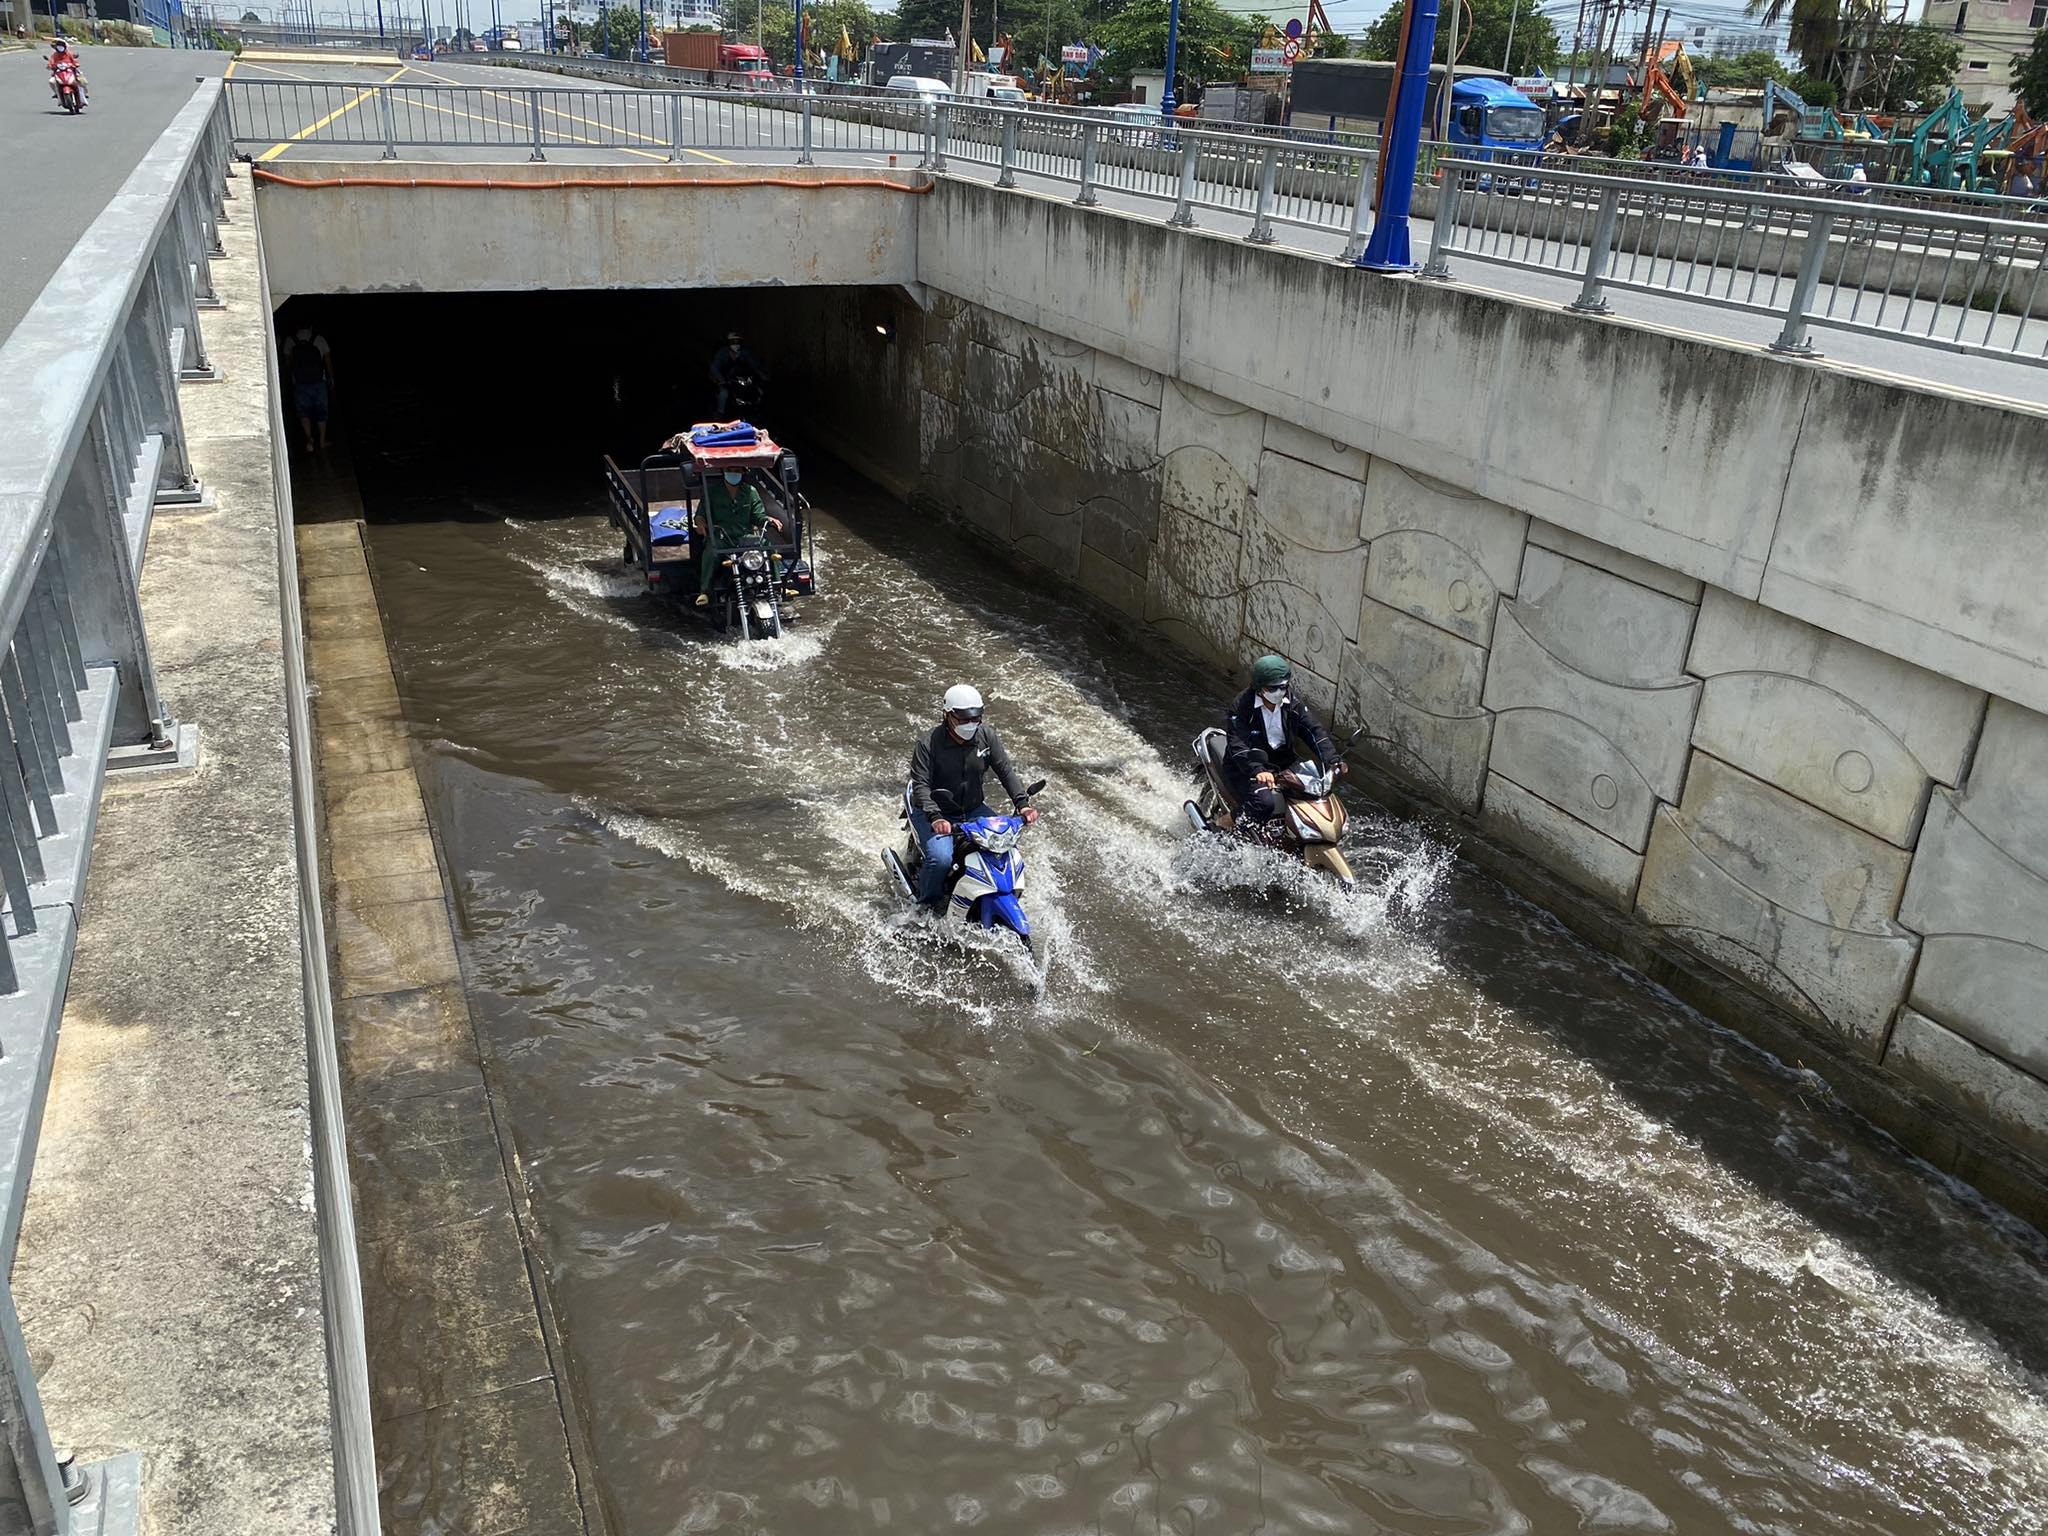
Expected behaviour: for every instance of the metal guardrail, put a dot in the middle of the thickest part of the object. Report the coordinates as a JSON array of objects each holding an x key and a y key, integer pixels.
[
  {"x": 1955, "y": 281},
  {"x": 1938, "y": 278},
  {"x": 94, "y": 370}
]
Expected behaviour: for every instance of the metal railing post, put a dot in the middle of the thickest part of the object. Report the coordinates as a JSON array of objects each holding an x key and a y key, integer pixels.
[
  {"x": 940, "y": 118},
  {"x": 1589, "y": 301},
  {"x": 33, "y": 1478},
  {"x": 1361, "y": 211},
  {"x": 1184, "y": 205},
  {"x": 1088, "y": 199},
  {"x": 1007, "y": 173},
  {"x": 1438, "y": 266},
  {"x": 804, "y": 154},
  {"x": 1820, "y": 226},
  {"x": 675, "y": 128},
  {"x": 1262, "y": 215},
  {"x": 533, "y": 121},
  {"x": 390, "y": 122}
]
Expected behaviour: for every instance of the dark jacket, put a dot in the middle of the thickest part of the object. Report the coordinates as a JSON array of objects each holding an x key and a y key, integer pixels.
[
  {"x": 1248, "y": 752},
  {"x": 946, "y": 772},
  {"x": 724, "y": 365}
]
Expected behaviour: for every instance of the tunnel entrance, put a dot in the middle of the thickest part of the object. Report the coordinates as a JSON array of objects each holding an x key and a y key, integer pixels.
[{"x": 1241, "y": 1203}]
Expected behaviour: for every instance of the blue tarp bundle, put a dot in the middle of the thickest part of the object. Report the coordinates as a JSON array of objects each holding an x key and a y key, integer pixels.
[{"x": 738, "y": 435}]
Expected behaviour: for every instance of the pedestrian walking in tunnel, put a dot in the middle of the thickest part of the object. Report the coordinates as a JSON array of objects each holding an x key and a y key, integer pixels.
[{"x": 309, "y": 367}]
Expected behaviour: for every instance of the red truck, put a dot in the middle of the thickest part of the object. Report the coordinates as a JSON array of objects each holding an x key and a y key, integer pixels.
[{"x": 710, "y": 57}]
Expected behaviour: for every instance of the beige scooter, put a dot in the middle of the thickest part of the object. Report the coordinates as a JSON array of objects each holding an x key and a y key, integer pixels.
[{"x": 1311, "y": 820}]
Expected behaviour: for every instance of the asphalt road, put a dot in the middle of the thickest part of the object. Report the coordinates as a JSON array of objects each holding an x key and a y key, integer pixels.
[
  {"x": 614, "y": 123},
  {"x": 59, "y": 171}
]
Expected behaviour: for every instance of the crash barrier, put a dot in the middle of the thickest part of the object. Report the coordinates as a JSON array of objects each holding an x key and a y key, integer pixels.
[
  {"x": 1955, "y": 281},
  {"x": 93, "y": 375}
]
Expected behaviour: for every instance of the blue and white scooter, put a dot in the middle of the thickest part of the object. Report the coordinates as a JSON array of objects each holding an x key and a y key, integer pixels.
[{"x": 987, "y": 878}]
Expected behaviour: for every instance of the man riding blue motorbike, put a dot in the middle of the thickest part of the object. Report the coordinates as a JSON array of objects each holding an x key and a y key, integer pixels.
[{"x": 947, "y": 768}]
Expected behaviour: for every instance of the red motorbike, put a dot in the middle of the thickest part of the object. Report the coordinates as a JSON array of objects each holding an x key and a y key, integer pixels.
[{"x": 72, "y": 99}]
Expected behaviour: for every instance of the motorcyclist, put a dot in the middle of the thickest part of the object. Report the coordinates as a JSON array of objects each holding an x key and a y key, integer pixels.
[
  {"x": 1270, "y": 731},
  {"x": 730, "y": 362},
  {"x": 733, "y": 510},
  {"x": 946, "y": 771},
  {"x": 61, "y": 54}
]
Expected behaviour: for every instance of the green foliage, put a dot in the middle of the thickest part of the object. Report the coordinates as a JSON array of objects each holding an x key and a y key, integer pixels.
[
  {"x": 1816, "y": 91},
  {"x": 1214, "y": 44},
  {"x": 1912, "y": 64},
  {"x": 1535, "y": 38},
  {"x": 2030, "y": 76},
  {"x": 1746, "y": 71},
  {"x": 1627, "y": 133},
  {"x": 621, "y": 32}
]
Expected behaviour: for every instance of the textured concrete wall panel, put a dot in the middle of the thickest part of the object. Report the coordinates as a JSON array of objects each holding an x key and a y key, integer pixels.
[
  {"x": 1209, "y": 455},
  {"x": 1441, "y": 554},
  {"x": 1646, "y": 729},
  {"x": 1798, "y": 902},
  {"x": 1579, "y": 770},
  {"x": 1983, "y": 1089},
  {"x": 1560, "y": 842},
  {"x": 1416, "y": 691},
  {"x": 1979, "y": 892},
  {"x": 1601, "y": 625}
]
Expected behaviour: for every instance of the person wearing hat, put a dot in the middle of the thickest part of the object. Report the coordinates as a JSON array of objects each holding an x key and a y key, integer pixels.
[
  {"x": 731, "y": 361},
  {"x": 947, "y": 767},
  {"x": 1270, "y": 731}
]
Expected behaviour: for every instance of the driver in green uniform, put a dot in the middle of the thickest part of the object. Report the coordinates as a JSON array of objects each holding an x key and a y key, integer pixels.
[{"x": 736, "y": 512}]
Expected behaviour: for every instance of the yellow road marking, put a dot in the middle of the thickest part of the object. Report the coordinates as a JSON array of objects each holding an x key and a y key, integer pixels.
[
  {"x": 229, "y": 72},
  {"x": 574, "y": 118},
  {"x": 312, "y": 128},
  {"x": 500, "y": 122}
]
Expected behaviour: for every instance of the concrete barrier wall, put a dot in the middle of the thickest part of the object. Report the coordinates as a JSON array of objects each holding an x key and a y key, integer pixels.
[
  {"x": 1561, "y": 574},
  {"x": 700, "y": 228}
]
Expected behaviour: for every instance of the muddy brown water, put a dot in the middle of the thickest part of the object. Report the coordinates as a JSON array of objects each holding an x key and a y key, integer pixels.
[{"x": 1245, "y": 1208}]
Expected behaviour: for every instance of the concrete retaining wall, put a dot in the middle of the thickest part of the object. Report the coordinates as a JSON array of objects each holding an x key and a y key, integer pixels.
[
  {"x": 694, "y": 231},
  {"x": 1583, "y": 632}
]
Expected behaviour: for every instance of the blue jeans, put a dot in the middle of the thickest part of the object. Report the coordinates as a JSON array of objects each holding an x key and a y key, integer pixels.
[{"x": 938, "y": 853}]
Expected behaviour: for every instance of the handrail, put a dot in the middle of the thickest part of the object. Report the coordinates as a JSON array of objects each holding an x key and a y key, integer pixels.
[{"x": 93, "y": 372}]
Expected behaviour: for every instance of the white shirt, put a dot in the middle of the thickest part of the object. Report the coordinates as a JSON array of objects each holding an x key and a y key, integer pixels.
[{"x": 1276, "y": 730}]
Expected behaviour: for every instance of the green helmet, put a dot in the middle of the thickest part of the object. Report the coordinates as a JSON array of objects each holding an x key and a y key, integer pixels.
[{"x": 1271, "y": 672}]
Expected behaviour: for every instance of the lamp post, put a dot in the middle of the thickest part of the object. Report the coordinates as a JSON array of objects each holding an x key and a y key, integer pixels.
[
  {"x": 1387, "y": 248},
  {"x": 643, "y": 31},
  {"x": 1166, "y": 101},
  {"x": 604, "y": 32},
  {"x": 799, "y": 47}
]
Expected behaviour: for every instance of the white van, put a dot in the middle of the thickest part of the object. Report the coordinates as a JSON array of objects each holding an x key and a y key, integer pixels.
[{"x": 921, "y": 85}]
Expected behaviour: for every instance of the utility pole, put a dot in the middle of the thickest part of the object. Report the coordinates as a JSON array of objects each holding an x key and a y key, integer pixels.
[
  {"x": 1571, "y": 74},
  {"x": 966, "y": 45},
  {"x": 1514, "y": 11}
]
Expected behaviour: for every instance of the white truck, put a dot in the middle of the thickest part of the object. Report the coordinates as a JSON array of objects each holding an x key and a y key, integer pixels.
[
  {"x": 531, "y": 37},
  {"x": 985, "y": 85}
]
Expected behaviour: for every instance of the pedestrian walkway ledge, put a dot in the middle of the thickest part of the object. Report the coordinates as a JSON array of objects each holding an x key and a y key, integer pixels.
[
  {"x": 472, "y": 1429},
  {"x": 169, "y": 1278}
]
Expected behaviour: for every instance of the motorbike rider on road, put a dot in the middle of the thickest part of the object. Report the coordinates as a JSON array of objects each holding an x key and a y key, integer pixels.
[
  {"x": 1270, "y": 731},
  {"x": 946, "y": 770},
  {"x": 732, "y": 361},
  {"x": 61, "y": 54}
]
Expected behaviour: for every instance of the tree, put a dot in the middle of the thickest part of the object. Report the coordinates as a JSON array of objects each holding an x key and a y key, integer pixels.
[
  {"x": 1214, "y": 43},
  {"x": 1535, "y": 37},
  {"x": 2030, "y": 76},
  {"x": 1815, "y": 90},
  {"x": 1912, "y": 64},
  {"x": 621, "y": 32},
  {"x": 1751, "y": 70}
]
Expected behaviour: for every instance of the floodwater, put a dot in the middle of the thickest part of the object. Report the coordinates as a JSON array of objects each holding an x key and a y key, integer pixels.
[{"x": 1243, "y": 1208}]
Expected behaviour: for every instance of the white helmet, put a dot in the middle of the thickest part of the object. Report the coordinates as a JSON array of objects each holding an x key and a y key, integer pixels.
[{"x": 960, "y": 698}]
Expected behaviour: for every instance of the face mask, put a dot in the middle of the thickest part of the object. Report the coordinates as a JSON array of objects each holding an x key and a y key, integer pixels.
[
  {"x": 1271, "y": 697},
  {"x": 732, "y": 477},
  {"x": 965, "y": 729}
]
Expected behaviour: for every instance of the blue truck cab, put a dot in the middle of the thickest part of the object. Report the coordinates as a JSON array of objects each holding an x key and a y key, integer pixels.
[{"x": 1489, "y": 114}]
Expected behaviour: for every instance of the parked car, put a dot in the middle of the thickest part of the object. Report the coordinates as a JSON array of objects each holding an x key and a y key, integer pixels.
[{"x": 1128, "y": 124}]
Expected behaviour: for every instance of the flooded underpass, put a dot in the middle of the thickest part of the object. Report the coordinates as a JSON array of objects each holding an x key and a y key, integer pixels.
[{"x": 1243, "y": 1206}]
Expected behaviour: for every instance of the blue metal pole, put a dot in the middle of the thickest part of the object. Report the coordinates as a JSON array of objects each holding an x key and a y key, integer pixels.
[
  {"x": 1386, "y": 250},
  {"x": 604, "y": 32},
  {"x": 799, "y": 44},
  {"x": 643, "y": 31},
  {"x": 380, "y": 20},
  {"x": 1166, "y": 101}
]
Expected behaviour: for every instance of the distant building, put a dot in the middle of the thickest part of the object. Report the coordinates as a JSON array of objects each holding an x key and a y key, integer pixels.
[{"x": 1991, "y": 32}]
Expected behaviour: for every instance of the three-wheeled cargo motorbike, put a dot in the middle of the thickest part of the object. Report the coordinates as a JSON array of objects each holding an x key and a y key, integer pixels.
[{"x": 659, "y": 508}]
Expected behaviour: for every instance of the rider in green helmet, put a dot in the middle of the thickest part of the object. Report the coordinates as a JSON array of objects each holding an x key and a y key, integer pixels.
[{"x": 1270, "y": 731}]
